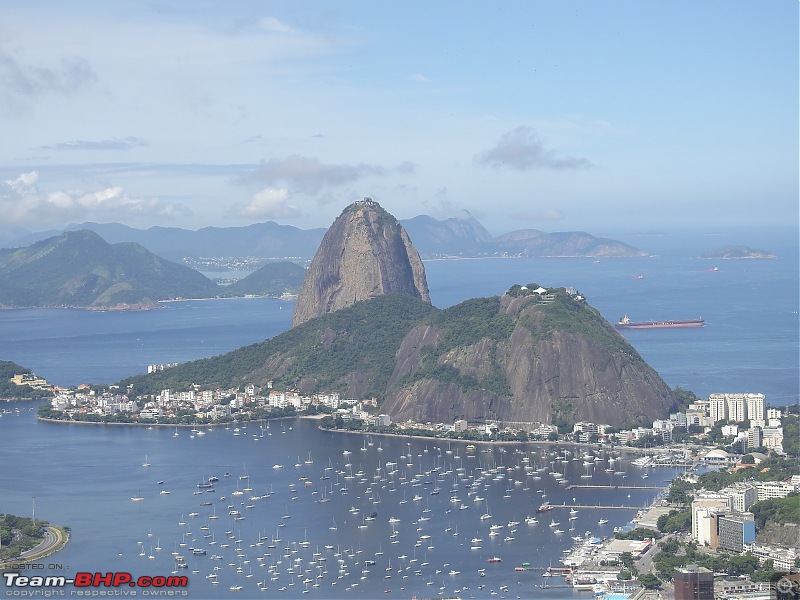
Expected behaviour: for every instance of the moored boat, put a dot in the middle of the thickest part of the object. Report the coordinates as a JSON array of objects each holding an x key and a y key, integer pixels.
[{"x": 626, "y": 323}]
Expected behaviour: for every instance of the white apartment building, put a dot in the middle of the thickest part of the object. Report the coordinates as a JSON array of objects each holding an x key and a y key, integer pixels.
[
  {"x": 742, "y": 496},
  {"x": 767, "y": 490},
  {"x": 703, "y": 508},
  {"x": 736, "y": 407}
]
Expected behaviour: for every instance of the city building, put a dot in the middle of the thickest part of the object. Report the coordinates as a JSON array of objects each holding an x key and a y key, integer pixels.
[
  {"x": 754, "y": 438},
  {"x": 741, "y": 495},
  {"x": 704, "y": 530},
  {"x": 735, "y": 530},
  {"x": 736, "y": 407},
  {"x": 693, "y": 583}
]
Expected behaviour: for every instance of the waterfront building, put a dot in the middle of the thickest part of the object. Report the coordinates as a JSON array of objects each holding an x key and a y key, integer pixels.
[
  {"x": 693, "y": 583},
  {"x": 735, "y": 530}
]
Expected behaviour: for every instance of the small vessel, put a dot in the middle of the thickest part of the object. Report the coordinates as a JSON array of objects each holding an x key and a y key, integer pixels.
[
  {"x": 544, "y": 507},
  {"x": 626, "y": 323}
]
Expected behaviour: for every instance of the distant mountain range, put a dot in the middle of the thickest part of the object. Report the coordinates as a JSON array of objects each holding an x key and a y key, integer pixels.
[
  {"x": 464, "y": 237},
  {"x": 81, "y": 269}
]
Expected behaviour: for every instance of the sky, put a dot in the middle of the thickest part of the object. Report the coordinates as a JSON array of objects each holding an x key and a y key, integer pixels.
[{"x": 533, "y": 114}]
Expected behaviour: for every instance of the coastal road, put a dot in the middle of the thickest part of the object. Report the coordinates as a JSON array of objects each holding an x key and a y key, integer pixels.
[{"x": 53, "y": 540}]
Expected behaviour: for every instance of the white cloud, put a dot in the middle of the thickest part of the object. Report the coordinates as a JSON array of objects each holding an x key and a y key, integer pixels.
[
  {"x": 309, "y": 175},
  {"x": 21, "y": 201},
  {"x": 274, "y": 25},
  {"x": 522, "y": 149},
  {"x": 269, "y": 203},
  {"x": 419, "y": 78}
]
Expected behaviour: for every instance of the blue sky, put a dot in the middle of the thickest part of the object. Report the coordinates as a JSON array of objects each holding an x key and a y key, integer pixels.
[{"x": 528, "y": 114}]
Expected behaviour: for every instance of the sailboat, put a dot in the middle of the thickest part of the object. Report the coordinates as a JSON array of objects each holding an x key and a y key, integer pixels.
[{"x": 145, "y": 463}]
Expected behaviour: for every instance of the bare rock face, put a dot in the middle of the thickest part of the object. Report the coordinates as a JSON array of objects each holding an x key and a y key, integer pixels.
[
  {"x": 365, "y": 253},
  {"x": 563, "y": 377}
]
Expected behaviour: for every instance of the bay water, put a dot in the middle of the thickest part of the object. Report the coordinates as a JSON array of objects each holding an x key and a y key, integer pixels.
[{"x": 85, "y": 476}]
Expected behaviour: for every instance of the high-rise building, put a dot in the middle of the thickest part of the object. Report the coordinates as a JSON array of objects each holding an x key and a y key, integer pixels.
[
  {"x": 736, "y": 407},
  {"x": 718, "y": 407},
  {"x": 754, "y": 438},
  {"x": 693, "y": 583},
  {"x": 735, "y": 530},
  {"x": 756, "y": 406}
]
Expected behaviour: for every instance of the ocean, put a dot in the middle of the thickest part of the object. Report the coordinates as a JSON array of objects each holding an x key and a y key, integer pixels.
[{"x": 85, "y": 476}]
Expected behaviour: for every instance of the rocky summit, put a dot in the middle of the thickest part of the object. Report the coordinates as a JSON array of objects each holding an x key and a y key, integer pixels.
[{"x": 365, "y": 253}]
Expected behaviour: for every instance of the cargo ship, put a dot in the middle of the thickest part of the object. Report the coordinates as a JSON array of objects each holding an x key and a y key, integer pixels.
[{"x": 626, "y": 323}]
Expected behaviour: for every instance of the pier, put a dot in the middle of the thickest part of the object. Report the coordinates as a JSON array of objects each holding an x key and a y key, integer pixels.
[
  {"x": 576, "y": 506},
  {"x": 616, "y": 487}
]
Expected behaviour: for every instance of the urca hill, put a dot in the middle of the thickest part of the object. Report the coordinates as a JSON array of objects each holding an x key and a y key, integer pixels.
[{"x": 526, "y": 356}]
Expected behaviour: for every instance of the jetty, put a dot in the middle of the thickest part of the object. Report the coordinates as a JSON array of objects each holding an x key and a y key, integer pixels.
[{"x": 616, "y": 487}]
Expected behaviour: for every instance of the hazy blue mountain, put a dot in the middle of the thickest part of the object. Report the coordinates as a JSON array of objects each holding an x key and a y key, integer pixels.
[{"x": 463, "y": 236}]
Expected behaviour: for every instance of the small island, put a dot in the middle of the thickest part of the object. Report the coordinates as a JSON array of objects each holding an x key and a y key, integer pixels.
[{"x": 737, "y": 252}]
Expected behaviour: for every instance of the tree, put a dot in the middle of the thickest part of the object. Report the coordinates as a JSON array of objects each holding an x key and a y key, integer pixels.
[{"x": 650, "y": 581}]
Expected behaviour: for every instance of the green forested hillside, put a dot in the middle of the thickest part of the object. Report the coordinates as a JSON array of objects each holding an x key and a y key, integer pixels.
[
  {"x": 273, "y": 279},
  {"x": 81, "y": 269},
  {"x": 11, "y": 390},
  {"x": 364, "y": 337}
]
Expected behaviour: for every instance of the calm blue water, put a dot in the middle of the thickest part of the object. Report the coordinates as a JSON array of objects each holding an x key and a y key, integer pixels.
[
  {"x": 84, "y": 476},
  {"x": 98, "y": 469}
]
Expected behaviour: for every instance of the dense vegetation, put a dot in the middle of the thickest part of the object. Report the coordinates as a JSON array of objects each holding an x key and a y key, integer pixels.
[
  {"x": 10, "y": 390},
  {"x": 461, "y": 326},
  {"x": 273, "y": 279},
  {"x": 18, "y": 534},
  {"x": 365, "y": 337},
  {"x": 80, "y": 269},
  {"x": 674, "y": 554},
  {"x": 356, "y": 348}
]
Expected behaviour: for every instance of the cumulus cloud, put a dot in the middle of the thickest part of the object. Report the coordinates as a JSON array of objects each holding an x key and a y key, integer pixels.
[
  {"x": 269, "y": 203},
  {"x": 522, "y": 149},
  {"x": 545, "y": 215},
  {"x": 126, "y": 143},
  {"x": 21, "y": 201},
  {"x": 307, "y": 175}
]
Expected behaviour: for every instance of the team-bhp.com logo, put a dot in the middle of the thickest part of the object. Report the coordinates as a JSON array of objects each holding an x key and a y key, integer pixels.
[{"x": 89, "y": 584}]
